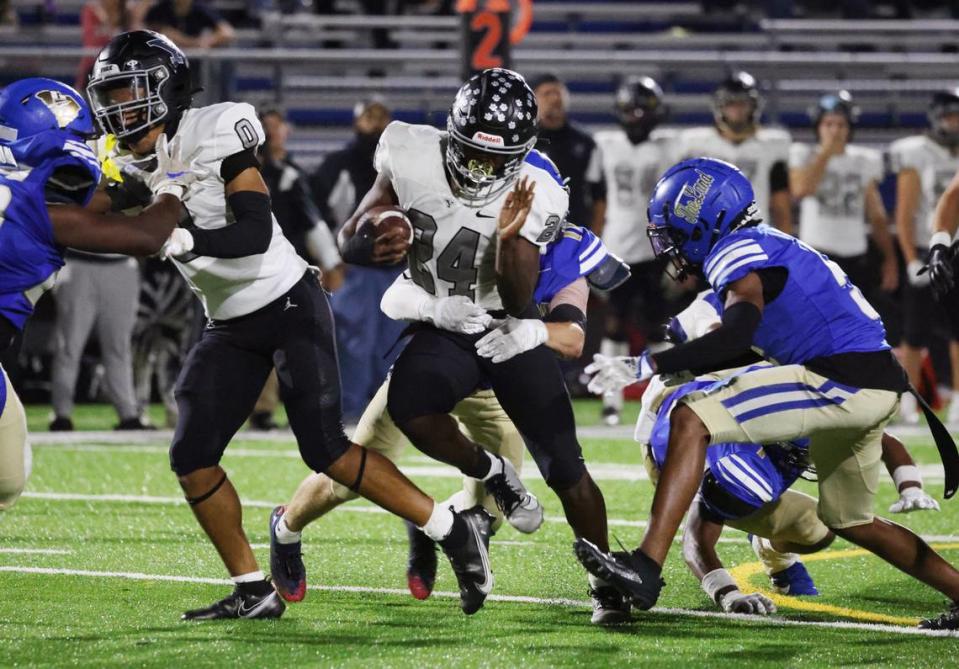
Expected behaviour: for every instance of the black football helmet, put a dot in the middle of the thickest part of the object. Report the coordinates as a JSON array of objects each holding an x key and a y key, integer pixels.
[
  {"x": 492, "y": 128},
  {"x": 639, "y": 107},
  {"x": 840, "y": 102},
  {"x": 139, "y": 79},
  {"x": 943, "y": 103},
  {"x": 738, "y": 87}
]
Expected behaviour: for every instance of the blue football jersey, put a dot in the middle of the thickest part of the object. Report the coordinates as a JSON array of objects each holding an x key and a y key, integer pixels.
[
  {"x": 3, "y": 390},
  {"x": 576, "y": 253},
  {"x": 29, "y": 255},
  {"x": 819, "y": 312},
  {"x": 752, "y": 473}
]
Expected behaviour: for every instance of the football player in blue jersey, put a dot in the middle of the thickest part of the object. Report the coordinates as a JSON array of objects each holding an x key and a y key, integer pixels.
[
  {"x": 577, "y": 260},
  {"x": 835, "y": 379},
  {"x": 48, "y": 178}
]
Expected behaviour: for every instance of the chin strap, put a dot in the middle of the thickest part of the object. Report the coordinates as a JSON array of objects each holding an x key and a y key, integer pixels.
[{"x": 945, "y": 445}]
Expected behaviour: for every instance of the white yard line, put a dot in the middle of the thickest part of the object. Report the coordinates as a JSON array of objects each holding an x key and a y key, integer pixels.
[
  {"x": 352, "y": 508},
  {"x": 516, "y": 599},
  {"x": 37, "y": 551}
]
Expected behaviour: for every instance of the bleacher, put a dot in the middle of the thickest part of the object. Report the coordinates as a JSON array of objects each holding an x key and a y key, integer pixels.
[{"x": 318, "y": 66}]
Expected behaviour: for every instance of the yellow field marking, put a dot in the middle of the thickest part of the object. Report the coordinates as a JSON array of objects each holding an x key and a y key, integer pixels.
[{"x": 744, "y": 572}]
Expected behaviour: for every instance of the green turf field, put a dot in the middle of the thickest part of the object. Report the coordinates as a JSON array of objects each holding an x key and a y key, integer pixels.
[{"x": 100, "y": 557}]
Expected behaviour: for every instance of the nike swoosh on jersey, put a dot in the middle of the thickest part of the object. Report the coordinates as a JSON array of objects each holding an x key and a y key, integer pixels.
[{"x": 480, "y": 214}]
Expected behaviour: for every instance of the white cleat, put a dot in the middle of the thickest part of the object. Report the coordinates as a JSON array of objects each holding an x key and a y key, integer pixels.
[{"x": 520, "y": 507}]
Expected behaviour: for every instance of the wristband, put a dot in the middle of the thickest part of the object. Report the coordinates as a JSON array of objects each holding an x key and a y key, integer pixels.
[
  {"x": 718, "y": 583},
  {"x": 906, "y": 473},
  {"x": 941, "y": 238}
]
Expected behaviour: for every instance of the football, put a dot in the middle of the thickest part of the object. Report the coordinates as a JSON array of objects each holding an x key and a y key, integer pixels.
[{"x": 380, "y": 220}]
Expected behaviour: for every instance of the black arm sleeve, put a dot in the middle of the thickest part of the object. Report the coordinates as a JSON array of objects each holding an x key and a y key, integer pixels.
[
  {"x": 231, "y": 166},
  {"x": 715, "y": 350},
  {"x": 778, "y": 177},
  {"x": 250, "y": 235}
]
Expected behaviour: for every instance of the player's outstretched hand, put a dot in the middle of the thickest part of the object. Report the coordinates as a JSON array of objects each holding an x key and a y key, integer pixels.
[
  {"x": 752, "y": 604},
  {"x": 939, "y": 266},
  {"x": 516, "y": 208},
  {"x": 459, "y": 314},
  {"x": 173, "y": 174},
  {"x": 515, "y": 336},
  {"x": 914, "y": 499},
  {"x": 612, "y": 374}
]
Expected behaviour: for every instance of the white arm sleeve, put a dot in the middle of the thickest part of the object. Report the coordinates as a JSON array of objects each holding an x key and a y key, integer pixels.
[
  {"x": 322, "y": 246},
  {"x": 405, "y": 301}
]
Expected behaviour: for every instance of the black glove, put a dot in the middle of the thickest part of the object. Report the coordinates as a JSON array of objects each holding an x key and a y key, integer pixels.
[{"x": 939, "y": 264}]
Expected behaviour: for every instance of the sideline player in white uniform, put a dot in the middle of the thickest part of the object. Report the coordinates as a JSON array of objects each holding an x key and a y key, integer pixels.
[
  {"x": 264, "y": 306},
  {"x": 924, "y": 164},
  {"x": 837, "y": 186},
  {"x": 761, "y": 153},
  {"x": 633, "y": 156},
  {"x": 452, "y": 185}
]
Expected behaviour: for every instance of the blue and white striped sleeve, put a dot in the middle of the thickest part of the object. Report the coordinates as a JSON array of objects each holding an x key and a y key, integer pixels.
[{"x": 734, "y": 261}]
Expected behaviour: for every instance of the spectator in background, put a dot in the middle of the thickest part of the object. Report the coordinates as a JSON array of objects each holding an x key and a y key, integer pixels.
[
  {"x": 924, "y": 165},
  {"x": 96, "y": 290},
  {"x": 300, "y": 221},
  {"x": 573, "y": 151},
  {"x": 190, "y": 24},
  {"x": 737, "y": 137},
  {"x": 364, "y": 335},
  {"x": 8, "y": 17},
  {"x": 837, "y": 186},
  {"x": 100, "y": 20}
]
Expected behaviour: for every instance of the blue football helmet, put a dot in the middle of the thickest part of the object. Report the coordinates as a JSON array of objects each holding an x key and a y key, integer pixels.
[
  {"x": 694, "y": 204},
  {"x": 29, "y": 107}
]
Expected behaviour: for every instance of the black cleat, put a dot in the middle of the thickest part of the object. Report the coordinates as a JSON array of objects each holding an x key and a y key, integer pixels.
[
  {"x": 135, "y": 423},
  {"x": 609, "y": 606},
  {"x": 421, "y": 567},
  {"x": 635, "y": 574},
  {"x": 61, "y": 424},
  {"x": 262, "y": 421},
  {"x": 520, "y": 507},
  {"x": 944, "y": 621},
  {"x": 286, "y": 563},
  {"x": 241, "y": 605},
  {"x": 470, "y": 560}
]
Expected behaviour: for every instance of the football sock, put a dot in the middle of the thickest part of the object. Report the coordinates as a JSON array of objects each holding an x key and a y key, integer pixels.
[
  {"x": 495, "y": 467},
  {"x": 440, "y": 523},
  {"x": 284, "y": 534},
  {"x": 254, "y": 583}
]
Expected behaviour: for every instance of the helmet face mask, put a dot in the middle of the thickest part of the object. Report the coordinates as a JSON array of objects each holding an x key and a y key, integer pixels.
[
  {"x": 128, "y": 104},
  {"x": 491, "y": 129},
  {"x": 639, "y": 107},
  {"x": 667, "y": 243}
]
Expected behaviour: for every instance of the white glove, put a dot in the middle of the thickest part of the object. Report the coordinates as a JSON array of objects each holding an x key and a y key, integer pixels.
[
  {"x": 515, "y": 336},
  {"x": 172, "y": 174},
  {"x": 752, "y": 604},
  {"x": 913, "y": 499},
  {"x": 457, "y": 314},
  {"x": 178, "y": 243},
  {"x": 612, "y": 374},
  {"x": 915, "y": 278}
]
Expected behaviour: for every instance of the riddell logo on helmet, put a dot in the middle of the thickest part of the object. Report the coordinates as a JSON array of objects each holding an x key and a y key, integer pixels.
[
  {"x": 490, "y": 140},
  {"x": 696, "y": 192}
]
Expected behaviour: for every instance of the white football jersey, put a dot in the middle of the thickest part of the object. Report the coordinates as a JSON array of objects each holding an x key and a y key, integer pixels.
[
  {"x": 631, "y": 171},
  {"x": 229, "y": 287},
  {"x": 936, "y": 166},
  {"x": 454, "y": 248},
  {"x": 833, "y": 220},
  {"x": 755, "y": 156}
]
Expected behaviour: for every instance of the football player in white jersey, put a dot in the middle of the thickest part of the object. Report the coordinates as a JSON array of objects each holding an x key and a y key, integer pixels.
[
  {"x": 633, "y": 157},
  {"x": 924, "y": 164},
  {"x": 837, "y": 186},
  {"x": 264, "y": 307},
  {"x": 453, "y": 185},
  {"x": 761, "y": 153}
]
